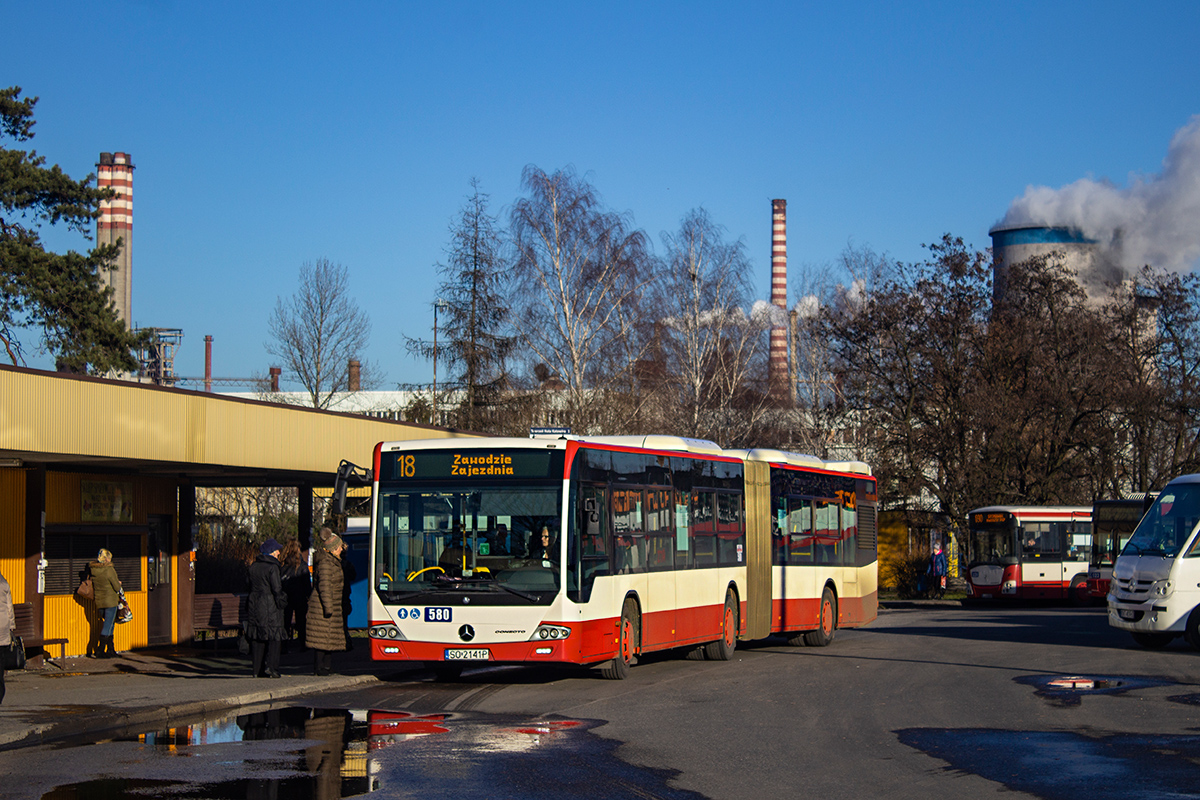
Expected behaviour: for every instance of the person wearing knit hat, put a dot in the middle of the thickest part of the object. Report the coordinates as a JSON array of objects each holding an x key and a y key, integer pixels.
[
  {"x": 264, "y": 611},
  {"x": 325, "y": 628}
]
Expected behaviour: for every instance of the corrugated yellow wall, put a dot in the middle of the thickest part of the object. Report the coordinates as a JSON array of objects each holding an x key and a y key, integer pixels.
[
  {"x": 12, "y": 530},
  {"x": 66, "y": 616}
]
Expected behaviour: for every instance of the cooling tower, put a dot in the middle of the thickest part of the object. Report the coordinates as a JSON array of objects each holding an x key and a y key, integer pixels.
[{"x": 1014, "y": 244}]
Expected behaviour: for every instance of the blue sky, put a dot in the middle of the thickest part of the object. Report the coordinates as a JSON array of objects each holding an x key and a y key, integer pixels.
[{"x": 269, "y": 134}]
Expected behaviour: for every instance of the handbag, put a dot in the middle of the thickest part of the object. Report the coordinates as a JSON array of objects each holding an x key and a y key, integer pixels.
[
  {"x": 85, "y": 590},
  {"x": 124, "y": 612},
  {"x": 14, "y": 654}
]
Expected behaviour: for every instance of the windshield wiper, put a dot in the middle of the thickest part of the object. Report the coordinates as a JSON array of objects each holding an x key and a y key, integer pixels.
[{"x": 518, "y": 593}]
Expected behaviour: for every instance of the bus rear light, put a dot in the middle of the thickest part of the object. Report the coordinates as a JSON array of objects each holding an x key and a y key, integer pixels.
[{"x": 550, "y": 632}]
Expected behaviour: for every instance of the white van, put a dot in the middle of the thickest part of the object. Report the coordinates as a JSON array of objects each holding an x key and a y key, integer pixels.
[{"x": 1155, "y": 591}]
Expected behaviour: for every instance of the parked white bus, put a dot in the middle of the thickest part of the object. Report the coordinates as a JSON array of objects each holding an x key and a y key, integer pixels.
[{"x": 1155, "y": 590}]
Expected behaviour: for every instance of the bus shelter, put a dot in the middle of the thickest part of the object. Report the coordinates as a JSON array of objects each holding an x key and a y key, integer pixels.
[{"x": 88, "y": 462}]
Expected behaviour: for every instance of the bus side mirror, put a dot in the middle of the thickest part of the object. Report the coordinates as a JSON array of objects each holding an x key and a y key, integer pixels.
[{"x": 348, "y": 474}]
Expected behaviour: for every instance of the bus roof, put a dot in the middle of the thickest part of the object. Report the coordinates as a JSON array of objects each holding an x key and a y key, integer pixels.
[
  {"x": 677, "y": 444},
  {"x": 1031, "y": 512}
]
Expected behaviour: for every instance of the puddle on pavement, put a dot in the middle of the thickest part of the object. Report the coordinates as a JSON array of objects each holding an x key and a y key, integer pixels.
[
  {"x": 326, "y": 754},
  {"x": 1058, "y": 764},
  {"x": 1066, "y": 691}
]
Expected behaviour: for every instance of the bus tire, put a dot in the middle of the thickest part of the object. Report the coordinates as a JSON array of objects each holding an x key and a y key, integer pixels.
[
  {"x": 722, "y": 649},
  {"x": 1192, "y": 632},
  {"x": 1079, "y": 591},
  {"x": 796, "y": 639},
  {"x": 823, "y": 635},
  {"x": 1152, "y": 641},
  {"x": 627, "y": 644}
]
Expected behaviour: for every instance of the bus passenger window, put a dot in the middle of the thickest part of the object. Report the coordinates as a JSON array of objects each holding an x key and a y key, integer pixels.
[
  {"x": 703, "y": 530},
  {"x": 627, "y": 530},
  {"x": 800, "y": 531},
  {"x": 827, "y": 532}
]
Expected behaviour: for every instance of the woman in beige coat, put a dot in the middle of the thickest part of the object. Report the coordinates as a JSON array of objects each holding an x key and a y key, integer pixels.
[{"x": 325, "y": 627}]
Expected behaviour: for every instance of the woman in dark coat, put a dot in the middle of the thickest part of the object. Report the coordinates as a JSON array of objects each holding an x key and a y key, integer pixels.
[
  {"x": 264, "y": 611},
  {"x": 107, "y": 594},
  {"x": 297, "y": 585},
  {"x": 325, "y": 627}
]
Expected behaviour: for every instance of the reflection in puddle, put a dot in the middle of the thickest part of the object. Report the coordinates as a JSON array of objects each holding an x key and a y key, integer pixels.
[
  {"x": 1059, "y": 764},
  {"x": 302, "y": 753},
  {"x": 1066, "y": 692}
]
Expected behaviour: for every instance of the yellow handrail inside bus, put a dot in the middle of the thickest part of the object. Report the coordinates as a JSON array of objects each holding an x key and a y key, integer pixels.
[{"x": 412, "y": 575}]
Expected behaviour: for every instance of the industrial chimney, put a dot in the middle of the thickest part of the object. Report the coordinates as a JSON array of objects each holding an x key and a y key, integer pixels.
[
  {"x": 777, "y": 374},
  {"x": 115, "y": 171},
  {"x": 354, "y": 378}
]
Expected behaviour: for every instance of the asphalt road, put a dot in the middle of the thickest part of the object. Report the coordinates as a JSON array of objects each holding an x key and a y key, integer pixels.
[{"x": 940, "y": 702}]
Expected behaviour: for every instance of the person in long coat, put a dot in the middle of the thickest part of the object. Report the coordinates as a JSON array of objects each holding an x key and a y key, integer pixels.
[
  {"x": 8, "y": 624},
  {"x": 297, "y": 585},
  {"x": 264, "y": 611},
  {"x": 325, "y": 627},
  {"x": 107, "y": 596}
]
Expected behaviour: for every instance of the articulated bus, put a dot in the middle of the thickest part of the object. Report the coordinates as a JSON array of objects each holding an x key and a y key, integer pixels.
[
  {"x": 593, "y": 551},
  {"x": 1029, "y": 552},
  {"x": 1113, "y": 522}
]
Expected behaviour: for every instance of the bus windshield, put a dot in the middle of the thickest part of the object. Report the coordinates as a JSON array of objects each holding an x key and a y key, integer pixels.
[
  {"x": 1168, "y": 524},
  {"x": 489, "y": 540},
  {"x": 994, "y": 543}
]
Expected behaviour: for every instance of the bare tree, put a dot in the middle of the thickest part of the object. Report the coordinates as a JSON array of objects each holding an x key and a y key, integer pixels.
[
  {"x": 579, "y": 272},
  {"x": 824, "y": 424},
  {"x": 319, "y": 330},
  {"x": 712, "y": 349}
]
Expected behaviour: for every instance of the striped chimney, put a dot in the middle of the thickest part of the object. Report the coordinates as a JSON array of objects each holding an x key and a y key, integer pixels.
[
  {"x": 777, "y": 373},
  {"x": 115, "y": 171}
]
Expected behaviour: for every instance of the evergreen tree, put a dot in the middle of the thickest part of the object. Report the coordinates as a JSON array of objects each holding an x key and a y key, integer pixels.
[
  {"x": 472, "y": 295},
  {"x": 62, "y": 295}
]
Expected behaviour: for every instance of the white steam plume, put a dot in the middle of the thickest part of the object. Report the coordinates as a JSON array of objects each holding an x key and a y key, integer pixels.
[{"x": 1155, "y": 220}]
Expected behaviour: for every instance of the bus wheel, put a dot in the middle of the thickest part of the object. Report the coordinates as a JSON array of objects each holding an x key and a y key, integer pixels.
[
  {"x": 796, "y": 639},
  {"x": 1192, "y": 632},
  {"x": 1153, "y": 641},
  {"x": 618, "y": 668},
  {"x": 722, "y": 649},
  {"x": 823, "y": 635},
  {"x": 1079, "y": 591}
]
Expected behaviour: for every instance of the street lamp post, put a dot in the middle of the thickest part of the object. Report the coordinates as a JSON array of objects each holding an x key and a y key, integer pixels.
[{"x": 439, "y": 303}]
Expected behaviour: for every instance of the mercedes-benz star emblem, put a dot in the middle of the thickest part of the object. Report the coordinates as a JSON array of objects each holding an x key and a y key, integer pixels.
[{"x": 466, "y": 633}]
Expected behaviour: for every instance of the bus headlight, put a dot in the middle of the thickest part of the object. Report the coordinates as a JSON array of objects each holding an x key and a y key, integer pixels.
[
  {"x": 550, "y": 632},
  {"x": 1162, "y": 588},
  {"x": 385, "y": 632}
]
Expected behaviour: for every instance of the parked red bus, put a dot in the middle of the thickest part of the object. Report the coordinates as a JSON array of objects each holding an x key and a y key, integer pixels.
[
  {"x": 1113, "y": 522},
  {"x": 593, "y": 551},
  {"x": 1029, "y": 552}
]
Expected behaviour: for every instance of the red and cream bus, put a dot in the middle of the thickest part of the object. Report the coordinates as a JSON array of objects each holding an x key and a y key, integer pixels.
[
  {"x": 1113, "y": 522},
  {"x": 592, "y": 551},
  {"x": 1029, "y": 552}
]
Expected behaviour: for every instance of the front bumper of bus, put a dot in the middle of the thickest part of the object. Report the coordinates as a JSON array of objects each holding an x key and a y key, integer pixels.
[
  {"x": 1147, "y": 606},
  {"x": 549, "y": 644}
]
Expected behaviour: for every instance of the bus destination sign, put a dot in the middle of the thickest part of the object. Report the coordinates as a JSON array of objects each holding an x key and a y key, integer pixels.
[{"x": 468, "y": 464}]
